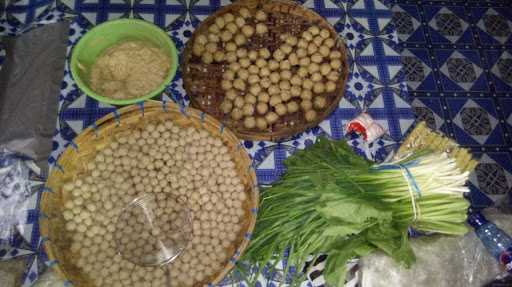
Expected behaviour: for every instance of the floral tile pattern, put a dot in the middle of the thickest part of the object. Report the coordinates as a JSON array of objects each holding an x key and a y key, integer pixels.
[
  {"x": 376, "y": 83},
  {"x": 457, "y": 58}
]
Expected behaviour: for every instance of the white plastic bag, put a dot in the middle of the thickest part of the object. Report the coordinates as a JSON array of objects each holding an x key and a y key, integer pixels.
[
  {"x": 441, "y": 261},
  {"x": 49, "y": 279},
  {"x": 15, "y": 189}
]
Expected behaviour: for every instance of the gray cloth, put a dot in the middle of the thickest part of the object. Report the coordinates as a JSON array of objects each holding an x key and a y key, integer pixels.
[
  {"x": 29, "y": 94},
  {"x": 29, "y": 90}
]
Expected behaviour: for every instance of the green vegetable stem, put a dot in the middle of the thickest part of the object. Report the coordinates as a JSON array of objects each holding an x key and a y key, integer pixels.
[{"x": 334, "y": 202}]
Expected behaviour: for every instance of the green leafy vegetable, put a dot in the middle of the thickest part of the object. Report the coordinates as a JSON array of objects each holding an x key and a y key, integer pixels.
[{"x": 332, "y": 201}]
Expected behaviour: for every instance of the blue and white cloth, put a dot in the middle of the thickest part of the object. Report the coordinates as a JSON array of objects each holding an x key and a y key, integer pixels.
[
  {"x": 457, "y": 58},
  {"x": 376, "y": 83}
]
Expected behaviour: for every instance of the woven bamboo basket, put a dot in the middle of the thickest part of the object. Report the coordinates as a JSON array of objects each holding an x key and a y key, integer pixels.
[
  {"x": 72, "y": 164},
  {"x": 202, "y": 81}
]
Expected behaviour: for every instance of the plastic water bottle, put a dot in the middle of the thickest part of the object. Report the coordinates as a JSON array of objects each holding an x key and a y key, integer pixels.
[{"x": 495, "y": 240}]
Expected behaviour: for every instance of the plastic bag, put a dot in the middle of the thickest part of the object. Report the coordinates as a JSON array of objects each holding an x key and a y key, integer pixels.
[
  {"x": 441, "y": 261},
  {"x": 15, "y": 189},
  {"x": 30, "y": 80},
  {"x": 49, "y": 279}
]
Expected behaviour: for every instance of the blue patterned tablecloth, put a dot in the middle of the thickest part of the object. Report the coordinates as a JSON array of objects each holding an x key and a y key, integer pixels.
[{"x": 457, "y": 58}]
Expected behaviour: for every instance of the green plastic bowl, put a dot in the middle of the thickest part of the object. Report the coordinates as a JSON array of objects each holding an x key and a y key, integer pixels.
[{"x": 109, "y": 33}]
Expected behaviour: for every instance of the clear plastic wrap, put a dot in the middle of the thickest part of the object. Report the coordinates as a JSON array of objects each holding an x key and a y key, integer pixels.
[
  {"x": 50, "y": 279},
  {"x": 441, "y": 261},
  {"x": 15, "y": 189}
]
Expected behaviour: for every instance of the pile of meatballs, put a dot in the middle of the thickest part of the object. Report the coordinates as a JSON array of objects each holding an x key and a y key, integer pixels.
[
  {"x": 175, "y": 165},
  {"x": 261, "y": 86}
]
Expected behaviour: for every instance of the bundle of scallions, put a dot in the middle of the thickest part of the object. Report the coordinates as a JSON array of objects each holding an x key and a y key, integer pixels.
[{"x": 332, "y": 201}]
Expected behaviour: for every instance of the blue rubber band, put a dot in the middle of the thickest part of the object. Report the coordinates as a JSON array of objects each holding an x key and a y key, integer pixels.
[
  {"x": 405, "y": 167},
  {"x": 43, "y": 215},
  {"x": 164, "y": 106},
  {"x": 59, "y": 167},
  {"x": 141, "y": 106},
  {"x": 95, "y": 128},
  {"x": 73, "y": 145},
  {"x": 411, "y": 179},
  {"x": 221, "y": 128},
  {"x": 47, "y": 189},
  {"x": 41, "y": 242},
  {"x": 51, "y": 263},
  {"x": 183, "y": 110},
  {"x": 389, "y": 166},
  {"x": 414, "y": 189},
  {"x": 117, "y": 117},
  {"x": 202, "y": 115}
]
